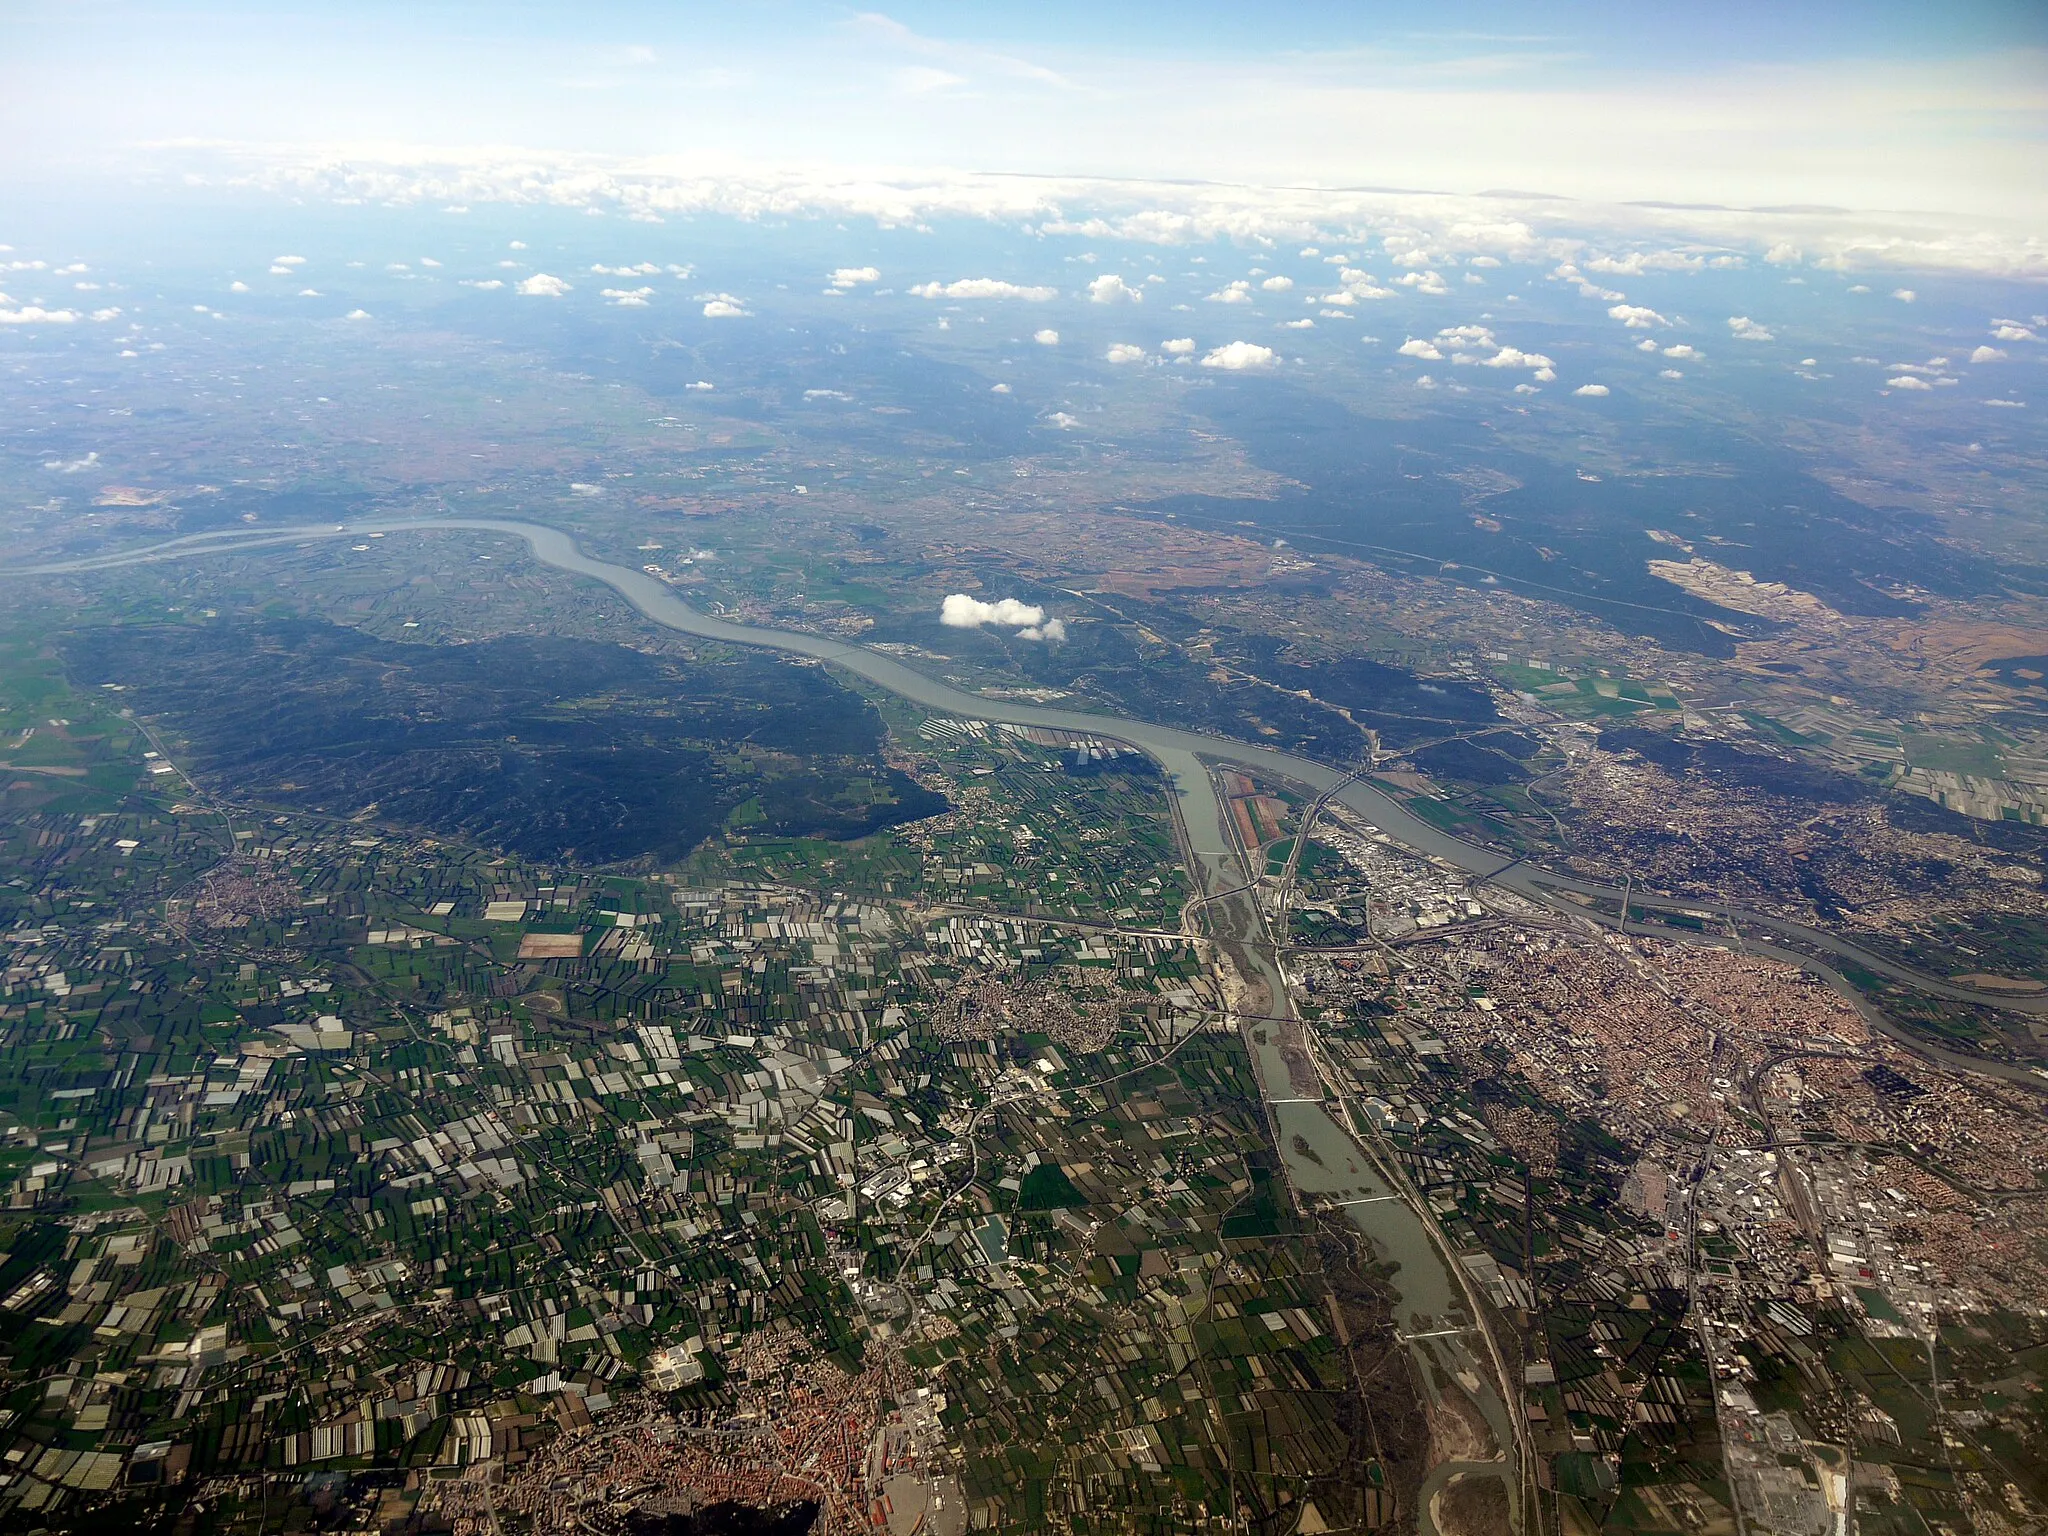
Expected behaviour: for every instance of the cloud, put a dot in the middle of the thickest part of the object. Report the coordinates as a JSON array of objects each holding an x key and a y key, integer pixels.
[
  {"x": 1124, "y": 352},
  {"x": 1423, "y": 282},
  {"x": 1414, "y": 346},
  {"x": 1986, "y": 355},
  {"x": 1515, "y": 357},
  {"x": 73, "y": 466},
  {"x": 984, "y": 288},
  {"x": 238, "y": 286},
  {"x": 1783, "y": 254},
  {"x": 542, "y": 285},
  {"x": 1110, "y": 288},
  {"x": 357, "y": 314},
  {"x": 826, "y": 394},
  {"x": 1904, "y": 295},
  {"x": 486, "y": 283},
  {"x": 700, "y": 385},
  {"x": 35, "y": 314},
  {"x": 1180, "y": 346},
  {"x": 1594, "y": 390},
  {"x": 1907, "y": 381},
  {"x": 104, "y": 315},
  {"x": 644, "y": 269},
  {"x": 1637, "y": 317},
  {"x": 1298, "y": 325},
  {"x": 1063, "y": 421},
  {"x": 723, "y": 306},
  {"x": 1051, "y": 630},
  {"x": 844, "y": 278},
  {"x": 629, "y": 298},
  {"x": 2012, "y": 330},
  {"x": 1048, "y": 337},
  {"x": 1239, "y": 355},
  {"x": 1239, "y": 292},
  {"x": 1681, "y": 349},
  {"x": 1669, "y": 373},
  {"x": 960, "y": 611},
  {"x": 2010, "y": 405},
  {"x": 1277, "y": 284},
  {"x": 287, "y": 261},
  {"x": 1742, "y": 328},
  {"x": 999, "y": 389}
]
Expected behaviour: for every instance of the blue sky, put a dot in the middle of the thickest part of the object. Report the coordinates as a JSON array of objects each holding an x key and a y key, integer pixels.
[{"x": 1882, "y": 106}]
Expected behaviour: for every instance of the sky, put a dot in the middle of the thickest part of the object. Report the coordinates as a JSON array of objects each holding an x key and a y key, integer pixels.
[{"x": 1940, "y": 109}]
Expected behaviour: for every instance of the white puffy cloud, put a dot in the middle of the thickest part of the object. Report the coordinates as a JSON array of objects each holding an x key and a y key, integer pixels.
[
  {"x": 844, "y": 278},
  {"x": 1594, "y": 390},
  {"x": 960, "y": 611},
  {"x": 1783, "y": 254},
  {"x": 644, "y": 269},
  {"x": 2012, "y": 330},
  {"x": 238, "y": 286},
  {"x": 1047, "y": 337},
  {"x": 1742, "y": 328},
  {"x": 1064, "y": 421},
  {"x": 1647, "y": 344},
  {"x": 1637, "y": 317},
  {"x": 1681, "y": 349},
  {"x": 1423, "y": 282},
  {"x": 73, "y": 466},
  {"x": 1277, "y": 284},
  {"x": 1904, "y": 295},
  {"x": 104, "y": 315},
  {"x": 287, "y": 261},
  {"x": 1986, "y": 355},
  {"x": 1303, "y": 324},
  {"x": 983, "y": 288},
  {"x": 999, "y": 389},
  {"x": 1907, "y": 381},
  {"x": 1124, "y": 352},
  {"x": 1415, "y": 346},
  {"x": 1470, "y": 334},
  {"x": 1239, "y": 292},
  {"x": 1515, "y": 357},
  {"x": 485, "y": 283},
  {"x": 701, "y": 385},
  {"x": 1110, "y": 288},
  {"x": 309, "y": 293},
  {"x": 357, "y": 314},
  {"x": 826, "y": 394},
  {"x": 2010, "y": 405},
  {"x": 1050, "y": 630},
  {"x": 1239, "y": 355},
  {"x": 1424, "y": 381},
  {"x": 35, "y": 314},
  {"x": 723, "y": 306},
  {"x": 1669, "y": 373},
  {"x": 1362, "y": 285},
  {"x": 629, "y": 298},
  {"x": 542, "y": 285},
  {"x": 1180, "y": 346}
]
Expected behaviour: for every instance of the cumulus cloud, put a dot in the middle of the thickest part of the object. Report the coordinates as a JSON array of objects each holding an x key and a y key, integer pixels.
[
  {"x": 1423, "y": 282},
  {"x": 984, "y": 288},
  {"x": 629, "y": 298},
  {"x": 844, "y": 278},
  {"x": 1669, "y": 373},
  {"x": 542, "y": 285},
  {"x": 1907, "y": 381},
  {"x": 701, "y": 384},
  {"x": 287, "y": 261},
  {"x": 1124, "y": 352},
  {"x": 1783, "y": 254},
  {"x": 1742, "y": 328},
  {"x": 1681, "y": 349},
  {"x": 1591, "y": 389},
  {"x": 1637, "y": 317},
  {"x": 1239, "y": 355},
  {"x": 1110, "y": 288},
  {"x": 1415, "y": 346},
  {"x": 1239, "y": 292},
  {"x": 73, "y": 466},
  {"x": 1904, "y": 295},
  {"x": 1180, "y": 346},
  {"x": 960, "y": 611},
  {"x": 1986, "y": 355},
  {"x": 1303, "y": 324},
  {"x": 2011, "y": 330},
  {"x": 1047, "y": 337},
  {"x": 999, "y": 389},
  {"x": 1515, "y": 357},
  {"x": 2010, "y": 405},
  {"x": 357, "y": 314},
  {"x": 826, "y": 394},
  {"x": 238, "y": 286},
  {"x": 723, "y": 306},
  {"x": 485, "y": 283},
  {"x": 1277, "y": 284},
  {"x": 35, "y": 314},
  {"x": 644, "y": 269},
  {"x": 1064, "y": 421}
]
